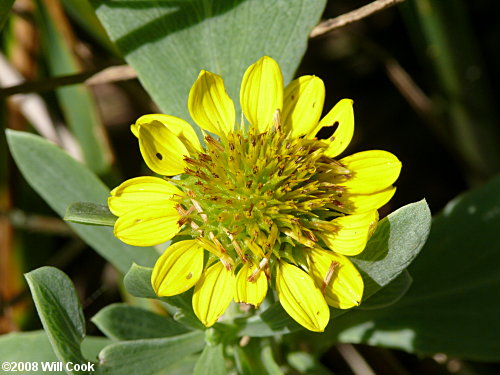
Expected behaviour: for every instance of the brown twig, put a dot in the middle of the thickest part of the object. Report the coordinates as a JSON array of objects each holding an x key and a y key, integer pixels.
[
  {"x": 110, "y": 74},
  {"x": 356, "y": 15}
]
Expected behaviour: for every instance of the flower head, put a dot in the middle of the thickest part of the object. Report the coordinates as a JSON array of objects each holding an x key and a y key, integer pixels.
[{"x": 265, "y": 204}]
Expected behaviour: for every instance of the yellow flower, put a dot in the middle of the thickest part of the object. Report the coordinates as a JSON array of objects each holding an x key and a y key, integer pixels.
[{"x": 265, "y": 204}]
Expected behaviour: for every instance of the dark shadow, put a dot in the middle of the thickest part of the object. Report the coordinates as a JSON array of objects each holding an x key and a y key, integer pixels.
[{"x": 183, "y": 14}]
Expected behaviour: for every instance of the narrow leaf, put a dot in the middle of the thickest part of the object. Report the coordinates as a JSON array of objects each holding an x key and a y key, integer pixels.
[
  {"x": 80, "y": 111},
  {"x": 89, "y": 213},
  {"x": 83, "y": 13},
  {"x": 5, "y": 6}
]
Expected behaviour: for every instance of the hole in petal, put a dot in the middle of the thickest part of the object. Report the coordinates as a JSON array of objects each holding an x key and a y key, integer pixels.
[
  {"x": 159, "y": 156},
  {"x": 327, "y": 131}
]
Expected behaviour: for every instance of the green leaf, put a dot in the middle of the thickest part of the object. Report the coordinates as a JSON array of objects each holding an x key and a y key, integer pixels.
[
  {"x": 5, "y": 6},
  {"x": 272, "y": 321},
  {"x": 78, "y": 106},
  {"x": 183, "y": 367},
  {"x": 60, "y": 312},
  {"x": 389, "y": 294},
  {"x": 450, "y": 307},
  {"x": 272, "y": 368},
  {"x": 396, "y": 242},
  {"x": 137, "y": 281},
  {"x": 307, "y": 364},
  {"x": 168, "y": 43},
  {"x": 123, "y": 322},
  {"x": 256, "y": 357},
  {"x": 65, "y": 181},
  {"x": 92, "y": 346},
  {"x": 35, "y": 347},
  {"x": 148, "y": 356},
  {"x": 247, "y": 358},
  {"x": 211, "y": 361},
  {"x": 89, "y": 213}
]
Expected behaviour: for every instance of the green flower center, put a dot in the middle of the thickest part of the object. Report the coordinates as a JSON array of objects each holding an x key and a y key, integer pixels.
[{"x": 261, "y": 191}]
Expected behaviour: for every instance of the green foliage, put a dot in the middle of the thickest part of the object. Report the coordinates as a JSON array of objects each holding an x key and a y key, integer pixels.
[
  {"x": 123, "y": 322},
  {"x": 162, "y": 40},
  {"x": 449, "y": 308},
  {"x": 307, "y": 364},
  {"x": 149, "y": 356},
  {"x": 60, "y": 312},
  {"x": 256, "y": 357},
  {"x": 35, "y": 347},
  {"x": 138, "y": 283},
  {"x": 89, "y": 213},
  {"x": 389, "y": 294},
  {"x": 5, "y": 6},
  {"x": 62, "y": 319},
  {"x": 64, "y": 181},
  {"x": 211, "y": 361},
  {"x": 396, "y": 242}
]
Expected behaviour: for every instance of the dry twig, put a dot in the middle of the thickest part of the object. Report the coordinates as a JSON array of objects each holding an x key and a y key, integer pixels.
[
  {"x": 110, "y": 74},
  {"x": 356, "y": 15}
]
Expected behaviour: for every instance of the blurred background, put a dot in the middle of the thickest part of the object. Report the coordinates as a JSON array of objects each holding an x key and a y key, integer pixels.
[{"x": 425, "y": 87}]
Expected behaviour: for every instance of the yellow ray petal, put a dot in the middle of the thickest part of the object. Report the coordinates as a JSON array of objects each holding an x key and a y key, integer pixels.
[
  {"x": 142, "y": 191},
  {"x": 251, "y": 292},
  {"x": 147, "y": 225},
  {"x": 359, "y": 203},
  {"x": 371, "y": 171},
  {"x": 178, "y": 268},
  {"x": 182, "y": 129},
  {"x": 161, "y": 149},
  {"x": 261, "y": 93},
  {"x": 210, "y": 106},
  {"x": 300, "y": 297},
  {"x": 352, "y": 234},
  {"x": 341, "y": 117},
  {"x": 303, "y": 104},
  {"x": 343, "y": 288},
  {"x": 213, "y": 293}
]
